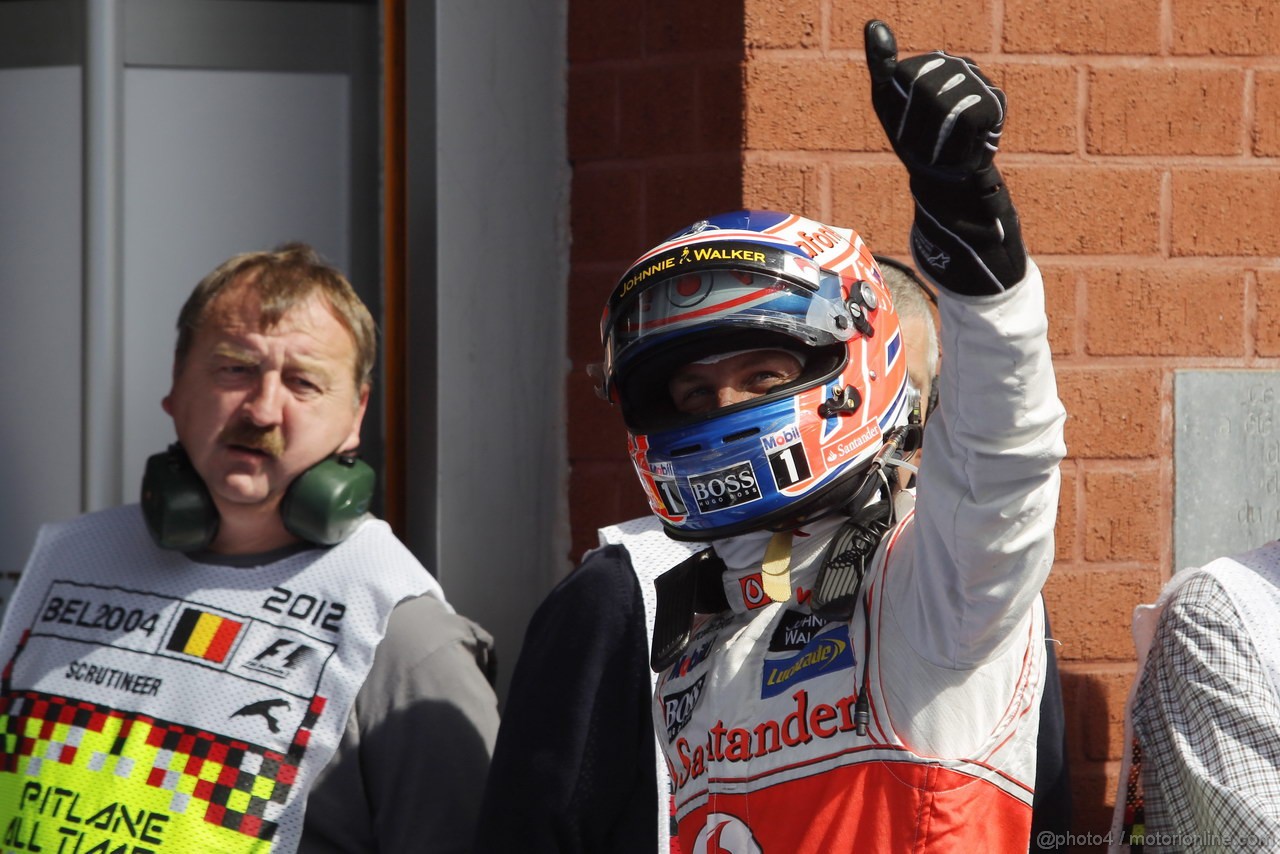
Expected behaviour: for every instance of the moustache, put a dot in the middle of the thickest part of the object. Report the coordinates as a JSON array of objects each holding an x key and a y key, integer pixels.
[{"x": 268, "y": 440}]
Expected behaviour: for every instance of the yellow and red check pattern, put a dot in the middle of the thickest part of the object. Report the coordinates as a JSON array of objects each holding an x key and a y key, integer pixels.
[{"x": 206, "y": 783}]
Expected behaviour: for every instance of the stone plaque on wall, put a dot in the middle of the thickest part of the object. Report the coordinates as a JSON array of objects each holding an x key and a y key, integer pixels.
[{"x": 1226, "y": 463}]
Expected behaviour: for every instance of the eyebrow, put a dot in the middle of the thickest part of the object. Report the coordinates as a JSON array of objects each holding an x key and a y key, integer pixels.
[
  {"x": 248, "y": 356},
  {"x": 243, "y": 355},
  {"x": 689, "y": 372},
  {"x": 772, "y": 356}
]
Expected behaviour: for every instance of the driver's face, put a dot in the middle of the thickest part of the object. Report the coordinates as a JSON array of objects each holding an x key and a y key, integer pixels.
[{"x": 704, "y": 386}]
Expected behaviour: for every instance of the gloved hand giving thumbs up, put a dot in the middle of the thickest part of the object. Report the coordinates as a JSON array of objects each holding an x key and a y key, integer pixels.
[{"x": 944, "y": 120}]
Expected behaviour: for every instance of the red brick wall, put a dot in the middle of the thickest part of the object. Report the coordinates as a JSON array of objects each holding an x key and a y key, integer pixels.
[
  {"x": 655, "y": 137},
  {"x": 1143, "y": 150}
]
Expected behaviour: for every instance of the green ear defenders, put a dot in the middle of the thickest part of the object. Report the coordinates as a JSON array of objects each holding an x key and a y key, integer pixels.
[
  {"x": 176, "y": 504},
  {"x": 323, "y": 505}
]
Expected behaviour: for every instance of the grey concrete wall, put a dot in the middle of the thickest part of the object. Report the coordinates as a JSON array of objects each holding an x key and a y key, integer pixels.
[
  {"x": 142, "y": 146},
  {"x": 40, "y": 264},
  {"x": 488, "y": 502},
  {"x": 220, "y": 154}
]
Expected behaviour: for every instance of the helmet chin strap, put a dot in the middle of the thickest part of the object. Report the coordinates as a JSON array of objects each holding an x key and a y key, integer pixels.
[
  {"x": 693, "y": 586},
  {"x": 839, "y": 583},
  {"x": 838, "y": 588},
  {"x": 882, "y": 471},
  {"x": 775, "y": 569},
  {"x": 871, "y": 515}
]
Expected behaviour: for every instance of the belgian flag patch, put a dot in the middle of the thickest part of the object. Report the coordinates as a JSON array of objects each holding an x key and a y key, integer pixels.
[{"x": 204, "y": 635}]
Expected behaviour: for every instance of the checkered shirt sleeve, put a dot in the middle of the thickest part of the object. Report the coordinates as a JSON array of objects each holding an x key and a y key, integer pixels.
[{"x": 1208, "y": 721}]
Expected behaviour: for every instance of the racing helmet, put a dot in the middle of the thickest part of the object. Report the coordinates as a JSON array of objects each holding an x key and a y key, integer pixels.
[{"x": 750, "y": 280}]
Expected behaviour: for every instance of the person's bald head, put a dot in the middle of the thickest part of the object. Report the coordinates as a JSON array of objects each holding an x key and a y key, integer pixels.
[{"x": 919, "y": 327}]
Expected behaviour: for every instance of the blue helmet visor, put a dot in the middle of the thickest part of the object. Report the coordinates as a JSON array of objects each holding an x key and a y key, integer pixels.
[{"x": 676, "y": 311}]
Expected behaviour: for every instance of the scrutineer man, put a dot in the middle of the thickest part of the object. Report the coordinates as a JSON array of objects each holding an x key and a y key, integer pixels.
[{"x": 248, "y": 661}]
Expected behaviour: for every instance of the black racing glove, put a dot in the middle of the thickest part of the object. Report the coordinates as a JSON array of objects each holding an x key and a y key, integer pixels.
[{"x": 944, "y": 120}]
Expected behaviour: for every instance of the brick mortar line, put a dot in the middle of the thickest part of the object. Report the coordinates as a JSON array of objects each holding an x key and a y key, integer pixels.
[
  {"x": 1165, "y": 27},
  {"x": 1119, "y": 465},
  {"x": 1129, "y": 361},
  {"x": 643, "y": 164},
  {"x": 1248, "y": 113},
  {"x": 675, "y": 58},
  {"x": 1111, "y": 666},
  {"x": 1080, "y": 336},
  {"x": 999, "y": 56},
  {"x": 1165, "y": 224},
  {"x": 844, "y": 156},
  {"x": 1128, "y": 259},
  {"x": 1084, "y": 91},
  {"x": 997, "y": 26}
]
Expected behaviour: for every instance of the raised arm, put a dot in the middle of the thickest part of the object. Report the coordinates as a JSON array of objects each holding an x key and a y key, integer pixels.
[{"x": 988, "y": 489}]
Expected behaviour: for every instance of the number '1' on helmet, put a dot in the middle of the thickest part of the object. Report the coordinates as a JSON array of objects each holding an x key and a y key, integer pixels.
[{"x": 744, "y": 281}]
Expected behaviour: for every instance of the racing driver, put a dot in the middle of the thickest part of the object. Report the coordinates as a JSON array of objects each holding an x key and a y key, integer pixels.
[{"x": 843, "y": 664}]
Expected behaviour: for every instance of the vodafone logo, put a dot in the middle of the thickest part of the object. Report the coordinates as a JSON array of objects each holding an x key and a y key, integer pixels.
[
  {"x": 753, "y": 591},
  {"x": 725, "y": 834}
]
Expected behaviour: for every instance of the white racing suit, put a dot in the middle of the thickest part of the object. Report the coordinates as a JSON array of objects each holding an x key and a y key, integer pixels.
[{"x": 757, "y": 718}]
